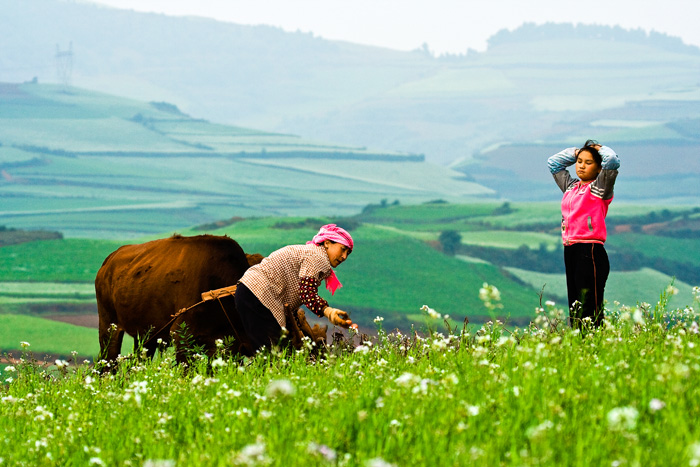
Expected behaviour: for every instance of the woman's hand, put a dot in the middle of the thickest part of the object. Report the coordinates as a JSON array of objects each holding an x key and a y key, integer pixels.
[{"x": 338, "y": 317}]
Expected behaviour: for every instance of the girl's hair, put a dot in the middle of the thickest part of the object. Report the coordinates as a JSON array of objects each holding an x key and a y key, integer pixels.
[{"x": 589, "y": 146}]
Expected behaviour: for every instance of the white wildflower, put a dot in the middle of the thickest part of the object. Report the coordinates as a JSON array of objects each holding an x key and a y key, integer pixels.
[
  {"x": 538, "y": 430},
  {"x": 60, "y": 364},
  {"x": 407, "y": 379},
  {"x": 656, "y": 404},
  {"x": 378, "y": 462},
  {"x": 159, "y": 463},
  {"x": 694, "y": 455},
  {"x": 430, "y": 312},
  {"x": 361, "y": 349},
  {"x": 42, "y": 414},
  {"x": 451, "y": 379},
  {"x": 218, "y": 363},
  {"x": 280, "y": 387},
  {"x": 321, "y": 449},
  {"x": 164, "y": 418},
  {"x": 252, "y": 454},
  {"x": 197, "y": 379},
  {"x": 623, "y": 418}
]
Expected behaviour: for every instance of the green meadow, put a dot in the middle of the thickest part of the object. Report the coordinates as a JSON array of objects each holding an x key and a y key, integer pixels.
[
  {"x": 47, "y": 337},
  {"x": 541, "y": 395}
]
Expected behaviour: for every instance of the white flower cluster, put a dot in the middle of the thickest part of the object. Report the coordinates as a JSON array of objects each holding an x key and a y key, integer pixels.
[
  {"x": 490, "y": 296},
  {"x": 280, "y": 388},
  {"x": 623, "y": 418},
  {"x": 430, "y": 312}
]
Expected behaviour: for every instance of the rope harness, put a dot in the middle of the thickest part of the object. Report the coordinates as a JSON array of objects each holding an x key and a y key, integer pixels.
[
  {"x": 207, "y": 296},
  {"x": 217, "y": 294}
]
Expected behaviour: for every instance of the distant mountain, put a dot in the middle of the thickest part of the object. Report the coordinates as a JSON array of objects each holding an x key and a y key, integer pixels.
[
  {"x": 495, "y": 115},
  {"x": 92, "y": 164},
  {"x": 552, "y": 32}
]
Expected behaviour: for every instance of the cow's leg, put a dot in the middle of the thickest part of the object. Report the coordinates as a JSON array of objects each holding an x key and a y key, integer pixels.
[{"x": 111, "y": 337}]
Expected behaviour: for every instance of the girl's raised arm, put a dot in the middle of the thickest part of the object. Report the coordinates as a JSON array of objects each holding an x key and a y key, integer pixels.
[
  {"x": 610, "y": 159},
  {"x": 604, "y": 184},
  {"x": 557, "y": 166}
]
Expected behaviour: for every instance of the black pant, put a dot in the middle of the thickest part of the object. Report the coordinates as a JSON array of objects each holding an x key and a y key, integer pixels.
[
  {"x": 587, "y": 269},
  {"x": 261, "y": 327}
]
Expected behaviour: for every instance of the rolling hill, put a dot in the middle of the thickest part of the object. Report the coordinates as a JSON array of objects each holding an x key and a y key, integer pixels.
[
  {"x": 92, "y": 164},
  {"x": 536, "y": 89}
]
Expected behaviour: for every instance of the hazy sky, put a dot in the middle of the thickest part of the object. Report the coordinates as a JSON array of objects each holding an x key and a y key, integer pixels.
[{"x": 445, "y": 25}]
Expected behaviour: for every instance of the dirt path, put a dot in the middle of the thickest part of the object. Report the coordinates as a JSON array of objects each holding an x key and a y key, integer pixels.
[{"x": 88, "y": 321}]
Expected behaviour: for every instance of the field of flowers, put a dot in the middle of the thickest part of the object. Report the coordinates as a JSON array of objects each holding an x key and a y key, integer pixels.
[{"x": 625, "y": 394}]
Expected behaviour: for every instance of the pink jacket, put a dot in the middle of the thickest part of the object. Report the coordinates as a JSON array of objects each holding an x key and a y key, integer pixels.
[
  {"x": 584, "y": 205},
  {"x": 583, "y": 215}
]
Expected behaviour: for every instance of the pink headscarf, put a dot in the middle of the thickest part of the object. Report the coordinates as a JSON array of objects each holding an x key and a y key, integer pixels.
[{"x": 335, "y": 234}]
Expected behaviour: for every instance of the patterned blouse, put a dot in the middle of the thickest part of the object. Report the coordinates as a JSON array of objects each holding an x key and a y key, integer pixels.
[{"x": 290, "y": 275}]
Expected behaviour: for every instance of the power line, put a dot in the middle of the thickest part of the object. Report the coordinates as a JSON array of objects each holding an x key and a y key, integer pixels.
[{"x": 64, "y": 65}]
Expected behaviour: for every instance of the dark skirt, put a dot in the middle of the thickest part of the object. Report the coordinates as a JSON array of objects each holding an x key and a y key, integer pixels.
[{"x": 261, "y": 327}]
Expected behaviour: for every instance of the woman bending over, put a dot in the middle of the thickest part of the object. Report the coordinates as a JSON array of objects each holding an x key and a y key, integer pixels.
[{"x": 291, "y": 276}]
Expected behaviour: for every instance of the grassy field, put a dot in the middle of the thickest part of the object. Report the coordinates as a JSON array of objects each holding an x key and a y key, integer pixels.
[
  {"x": 626, "y": 287},
  {"x": 47, "y": 337},
  {"x": 625, "y": 395},
  {"x": 394, "y": 270},
  {"x": 67, "y": 260},
  {"x": 510, "y": 239},
  {"x": 46, "y": 292},
  {"x": 672, "y": 249}
]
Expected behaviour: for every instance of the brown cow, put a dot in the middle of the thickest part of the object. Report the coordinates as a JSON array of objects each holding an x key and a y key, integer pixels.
[{"x": 140, "y": 287}]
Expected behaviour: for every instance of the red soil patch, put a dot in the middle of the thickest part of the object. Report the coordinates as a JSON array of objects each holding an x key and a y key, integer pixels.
[{"x": 88, "y": 321}]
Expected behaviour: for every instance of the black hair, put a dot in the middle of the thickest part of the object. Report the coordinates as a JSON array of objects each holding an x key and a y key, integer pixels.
[{"x": 589, "y": 146}]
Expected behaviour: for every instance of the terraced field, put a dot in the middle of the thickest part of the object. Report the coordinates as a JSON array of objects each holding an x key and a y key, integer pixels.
[{"x": 94, "y": 165}]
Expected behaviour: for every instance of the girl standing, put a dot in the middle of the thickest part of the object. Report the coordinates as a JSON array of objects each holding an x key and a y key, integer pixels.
[
  {"x": 291, "y": 276},
  {"x": 583, "y": 208}
]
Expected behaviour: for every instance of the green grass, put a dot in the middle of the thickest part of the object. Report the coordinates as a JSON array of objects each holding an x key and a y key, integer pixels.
[
  {"x": 46, "y": 336},
  {"x": 444, "y": 216},
  {"x": 68, "y": 260},
  {"x": 625, "y": 287},
  {"x": 685, "y": 250},
  {"x": 509, "y": 239},
  {"x": 624, "y": 395},
  {"x": 48, "y": 290}
]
